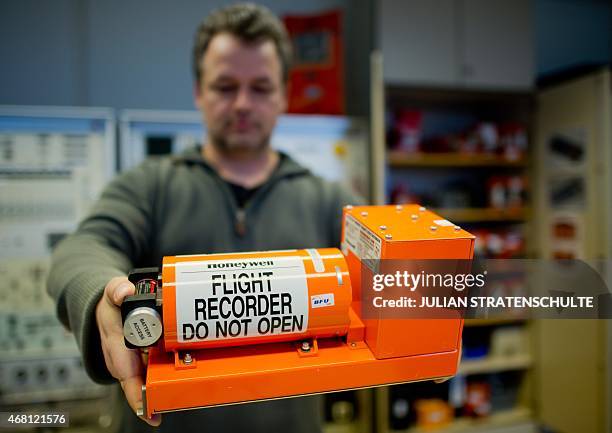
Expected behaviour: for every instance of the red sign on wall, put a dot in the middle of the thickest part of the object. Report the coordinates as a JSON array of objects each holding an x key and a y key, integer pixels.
[{"x": 316, "y": 80}]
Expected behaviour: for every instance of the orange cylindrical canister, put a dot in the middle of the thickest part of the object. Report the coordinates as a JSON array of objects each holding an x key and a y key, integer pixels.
[{"x": 218, "y": 300}]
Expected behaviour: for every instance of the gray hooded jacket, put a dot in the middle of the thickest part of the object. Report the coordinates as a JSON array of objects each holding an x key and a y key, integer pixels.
[{"x": 179, "y": 205}]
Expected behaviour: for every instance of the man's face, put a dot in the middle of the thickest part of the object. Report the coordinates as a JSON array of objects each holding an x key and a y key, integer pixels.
[{"x": 241, "y": 94}]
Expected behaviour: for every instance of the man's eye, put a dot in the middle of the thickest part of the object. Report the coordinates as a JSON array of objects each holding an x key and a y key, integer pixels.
[
  {"x": 224, "y": 88},
  {"x": 262, "y": 89}
]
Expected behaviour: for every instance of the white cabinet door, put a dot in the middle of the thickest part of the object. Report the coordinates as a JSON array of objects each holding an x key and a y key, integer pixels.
[
  {"x": 498, "y": 43},
  {"x": 418, "y": 41}
]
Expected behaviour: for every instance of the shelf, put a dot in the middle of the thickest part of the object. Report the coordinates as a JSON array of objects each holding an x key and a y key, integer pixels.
[
  {"x": 505, "y": 418},
  {"x": 492, "y": 322},
  {"x": 464, "y": 215},
  {"x": 451, "y": 160},
  {"x": 495, "y": 364},
  {"x": 341, "y": 428}
]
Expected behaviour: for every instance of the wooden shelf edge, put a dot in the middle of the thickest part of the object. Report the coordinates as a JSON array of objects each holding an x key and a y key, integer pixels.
[
  {"x": 342, "y": 428},
  {"x": 482, "y": 214},
  {"x": 495, "y": 364},
  {"x": 451, "y": 159}
]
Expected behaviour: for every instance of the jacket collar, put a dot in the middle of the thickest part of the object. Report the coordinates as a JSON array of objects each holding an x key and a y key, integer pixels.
[{"x": 287, "y": 166}]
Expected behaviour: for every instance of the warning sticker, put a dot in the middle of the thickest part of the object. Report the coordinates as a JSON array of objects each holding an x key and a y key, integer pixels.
[
  {"x": 362, "y": 241},
  {"x": 238, "y": 298}
]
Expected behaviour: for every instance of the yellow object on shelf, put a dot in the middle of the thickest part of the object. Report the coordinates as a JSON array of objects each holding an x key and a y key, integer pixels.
[
  {"x": 433, "y": 413},
  {"x": 510, "y": 417}
]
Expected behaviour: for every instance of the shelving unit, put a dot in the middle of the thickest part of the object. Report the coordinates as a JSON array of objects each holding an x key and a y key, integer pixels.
[
  {"x": 488, "y": 106},
  {"x": 519, "y": 419}
]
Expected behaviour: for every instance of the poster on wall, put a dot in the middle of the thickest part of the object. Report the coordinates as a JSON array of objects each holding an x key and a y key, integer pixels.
[
  {"x": 317, "y": 74},
  {"x": 54, "y": 163},
  {"x": 567, "y": 149},
  {"x": 566, "y": 157},
  {"x": 566, "y": 163},
  {"x": 567, "y": 235}
]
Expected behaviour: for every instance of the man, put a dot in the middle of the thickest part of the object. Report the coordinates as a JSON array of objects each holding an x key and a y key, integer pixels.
[{"x": 233, "y": 194}]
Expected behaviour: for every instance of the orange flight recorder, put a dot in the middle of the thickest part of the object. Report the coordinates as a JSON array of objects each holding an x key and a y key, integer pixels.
[{"x": 239, "y": 327}]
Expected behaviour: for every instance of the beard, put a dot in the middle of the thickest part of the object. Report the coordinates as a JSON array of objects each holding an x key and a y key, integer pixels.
[{"x": 229, "y": 144}]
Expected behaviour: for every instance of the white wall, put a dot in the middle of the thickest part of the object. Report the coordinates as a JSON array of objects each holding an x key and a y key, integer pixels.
[
  {"x": 41, "y": 52},
  {"x": 130, "y": 54},
  {"x": 140, "y": 55}
]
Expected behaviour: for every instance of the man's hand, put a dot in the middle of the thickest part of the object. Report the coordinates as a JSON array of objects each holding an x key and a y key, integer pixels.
[{"x": 124, "y": 364}]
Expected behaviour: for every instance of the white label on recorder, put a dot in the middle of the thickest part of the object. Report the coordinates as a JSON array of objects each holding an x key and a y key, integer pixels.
[
  {"x": 239, "y": 298},
  {"x": 362, "y": 241}
]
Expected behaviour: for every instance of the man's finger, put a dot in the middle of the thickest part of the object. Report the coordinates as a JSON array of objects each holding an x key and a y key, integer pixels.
[
  {"x": 117, "y": 289},
  {"x": 125, "y": 289},
  {"x": 132, "y": 388},
  {"x": 127, "y": 365}
]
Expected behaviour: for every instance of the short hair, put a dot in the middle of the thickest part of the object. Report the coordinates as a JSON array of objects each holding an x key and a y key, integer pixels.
[{"x": 249, "y": 22}]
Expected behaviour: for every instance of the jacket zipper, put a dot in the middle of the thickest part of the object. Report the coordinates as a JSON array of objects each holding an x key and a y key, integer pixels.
[
  {"x": 240, "y": 222},
  {"x": 240, "y": 225}
]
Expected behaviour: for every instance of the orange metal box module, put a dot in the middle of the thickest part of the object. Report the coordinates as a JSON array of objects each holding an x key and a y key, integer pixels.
[{"x": 252, "y": 326}]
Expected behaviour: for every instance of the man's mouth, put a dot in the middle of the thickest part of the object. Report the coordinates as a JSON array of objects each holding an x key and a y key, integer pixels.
[{"x": 242, "y": 125}]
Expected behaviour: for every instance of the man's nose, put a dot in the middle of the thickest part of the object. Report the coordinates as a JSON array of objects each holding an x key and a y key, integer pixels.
[{"x": 243, "y": 100}]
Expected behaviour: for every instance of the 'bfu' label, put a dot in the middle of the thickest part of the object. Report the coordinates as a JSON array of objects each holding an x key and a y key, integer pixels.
[{"x": 237, "y": 298}]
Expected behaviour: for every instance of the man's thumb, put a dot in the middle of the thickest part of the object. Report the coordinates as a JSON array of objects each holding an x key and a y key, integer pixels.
[{"x": 121, "y": 290}]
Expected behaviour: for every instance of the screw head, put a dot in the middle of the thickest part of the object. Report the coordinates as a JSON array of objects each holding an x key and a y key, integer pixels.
[
  {"x": 422, "y": 209},
  {"x": 457, "y": 228},
  {"x": 388, "y": 237},
  {"x": 414, "y": 217},
  {"x": 348, "y": 207},
  {"x": 383, "y": 228},
  {"x": 364, "y": 214},
  {"x": 187, "y": 359},
  {"x": 305, "y": 346},
  {"x": 433, "y": 228},
  {"x": 399, "y": 207}
]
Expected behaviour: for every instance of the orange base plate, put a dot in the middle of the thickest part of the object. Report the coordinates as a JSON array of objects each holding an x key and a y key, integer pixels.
[{"x": 268, "y": 371}]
